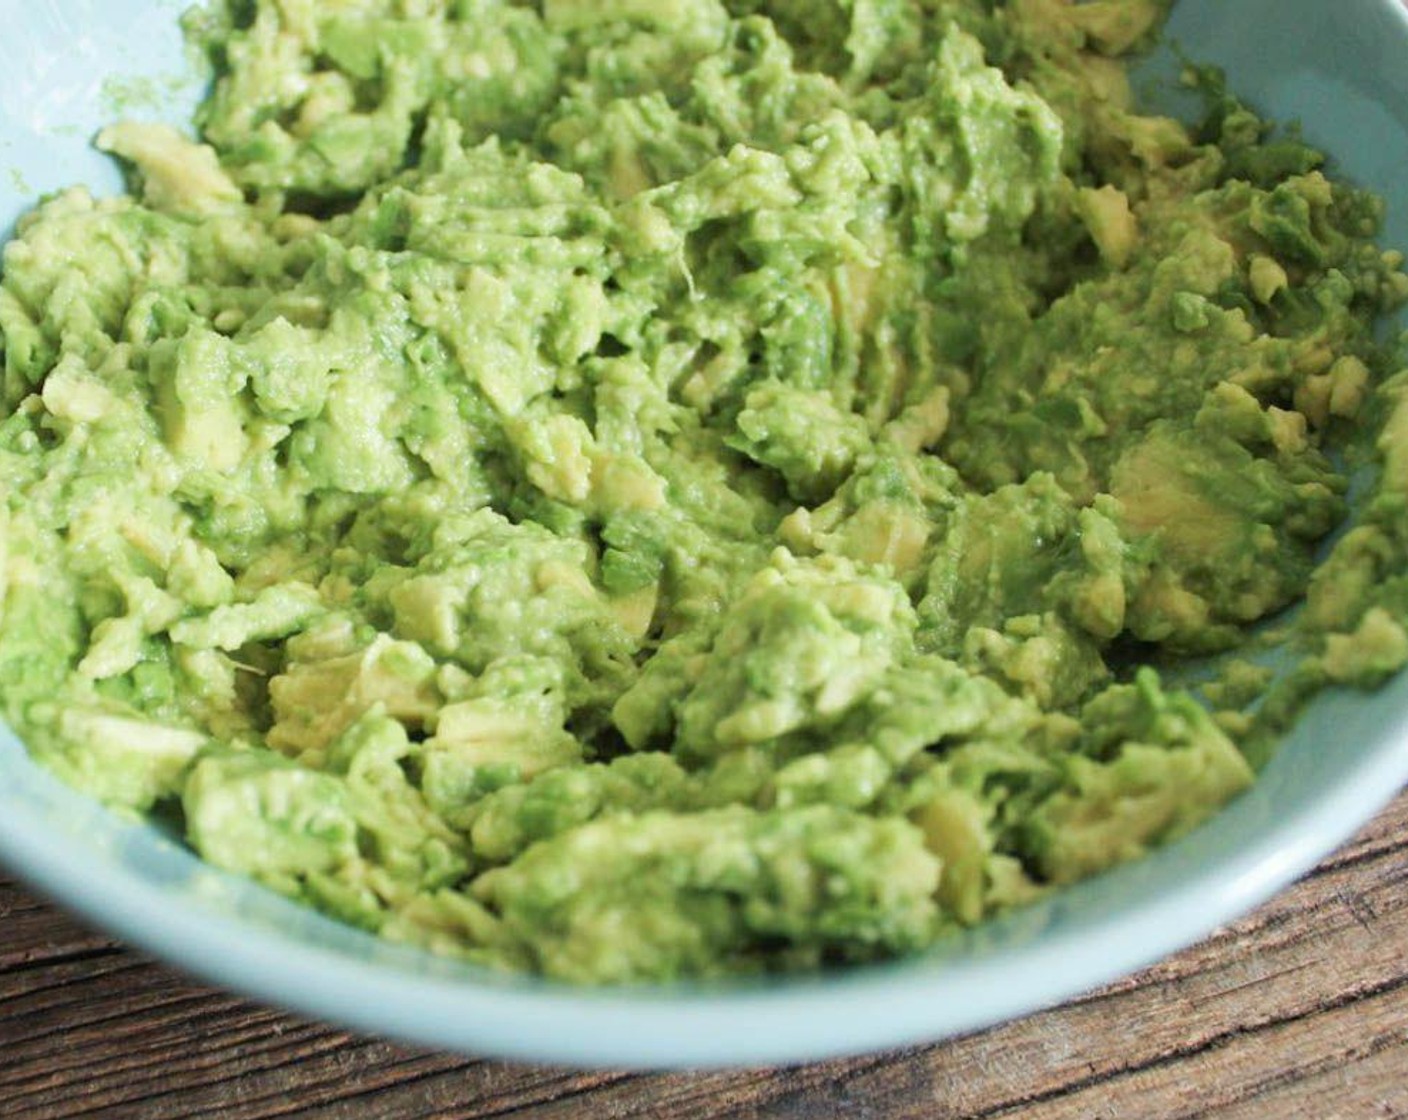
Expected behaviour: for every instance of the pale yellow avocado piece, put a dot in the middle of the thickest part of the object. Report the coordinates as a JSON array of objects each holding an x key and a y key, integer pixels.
[
  {"x": 178, "y": 175},
  {"x": 125, "y": 760},
  {"x": 1114, "y": 26},
  {"x": 920, "y": 426},
  {"x": 1112, "y": 224},
  {"x": 314, "y": 701},
  {"x": 488, "y": 731},
  {"x": 202, "y": 413},
  {"x": 1393, "y": 440},
  {"x": 955, "y": 827},
  {"x": 558, "y": 454},
  {"x": 74, "y": 394},
  {"x": 1377, "y": 647},
  {"x": 116, "y": 642},
  {"x": 1156, "y": 497},
  {"x": 1267, "y": 277}
]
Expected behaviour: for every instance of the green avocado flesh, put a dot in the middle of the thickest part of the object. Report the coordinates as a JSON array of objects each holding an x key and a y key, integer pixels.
[{"x": 642, "y": 489}]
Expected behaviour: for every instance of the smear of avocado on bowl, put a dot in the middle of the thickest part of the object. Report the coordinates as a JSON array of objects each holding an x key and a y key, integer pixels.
[{"x": 638, "y": 492}]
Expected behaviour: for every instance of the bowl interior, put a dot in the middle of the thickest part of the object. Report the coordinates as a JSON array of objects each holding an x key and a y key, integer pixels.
[{"x": 72, "y": 65}]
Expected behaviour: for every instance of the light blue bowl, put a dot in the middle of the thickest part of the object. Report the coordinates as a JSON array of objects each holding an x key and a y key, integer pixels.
[{"x": 1342, "y": 69}]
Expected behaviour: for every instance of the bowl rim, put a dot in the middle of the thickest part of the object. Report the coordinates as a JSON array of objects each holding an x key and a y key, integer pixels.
[{"x": 793, "y": 1019}]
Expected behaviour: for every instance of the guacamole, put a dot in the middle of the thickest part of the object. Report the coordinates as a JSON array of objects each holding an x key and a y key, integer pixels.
[{"x": 641, "y": 489}]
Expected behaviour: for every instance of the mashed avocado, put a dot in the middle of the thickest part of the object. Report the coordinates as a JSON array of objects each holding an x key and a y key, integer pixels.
[{"x": 631, "y": 490}]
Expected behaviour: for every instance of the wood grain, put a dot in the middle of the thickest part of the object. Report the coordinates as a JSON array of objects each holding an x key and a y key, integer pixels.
[{"x": 1298, "y": 1011}]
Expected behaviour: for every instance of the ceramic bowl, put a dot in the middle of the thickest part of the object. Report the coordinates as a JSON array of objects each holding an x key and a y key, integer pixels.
[{"x": 1340, "y": 69}]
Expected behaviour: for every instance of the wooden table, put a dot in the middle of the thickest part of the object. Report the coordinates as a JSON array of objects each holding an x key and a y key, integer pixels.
[{"x": 1300, "y": 1010}]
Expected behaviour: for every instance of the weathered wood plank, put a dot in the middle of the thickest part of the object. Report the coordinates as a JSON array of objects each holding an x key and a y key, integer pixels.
[
  {"x": 31, "y": 932},
  {"x": 1357, "y": 1044},
  {"x": 1300, "y": 1009},
  {"x": 1374, "y": 1087}
]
